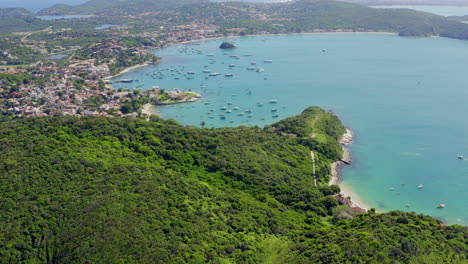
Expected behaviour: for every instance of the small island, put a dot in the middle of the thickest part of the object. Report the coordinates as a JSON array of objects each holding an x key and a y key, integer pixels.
[
  {"x": 227, "y": 45},
  {"x": 175, "y": 96}
]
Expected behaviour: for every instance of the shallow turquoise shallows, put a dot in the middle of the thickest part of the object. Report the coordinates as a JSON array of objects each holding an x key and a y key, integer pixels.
[{"x": 406, "y": 99}]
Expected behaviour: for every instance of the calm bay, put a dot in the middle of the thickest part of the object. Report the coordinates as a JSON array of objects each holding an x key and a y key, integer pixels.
[{"x": 405, "y": 98}]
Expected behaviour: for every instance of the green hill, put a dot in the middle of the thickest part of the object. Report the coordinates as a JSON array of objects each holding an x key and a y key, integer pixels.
[
  {"x": 15, "y": 12},
  {"x": 112, "y": 190},
  {"x": 101, "y": 7}
]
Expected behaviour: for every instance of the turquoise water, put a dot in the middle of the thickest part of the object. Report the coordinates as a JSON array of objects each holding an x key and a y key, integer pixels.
[
  {"x": 438, "y": 10},
  {"x": 404, "y": 97}
]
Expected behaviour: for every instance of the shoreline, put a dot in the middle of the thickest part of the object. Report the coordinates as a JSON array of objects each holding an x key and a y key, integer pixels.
[
  {"x": 134, "y": 67},
  {"x": 292, "y": 33},
  {"x": 146, "y": 109},
  {"x": 131, "y": 68},
  {"x": 352, "y": 198}
]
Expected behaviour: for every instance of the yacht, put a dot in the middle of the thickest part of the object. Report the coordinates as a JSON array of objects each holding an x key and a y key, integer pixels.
[
  {"x": 273, "y": 101},
  {"x": 259, "y": 70},
  {"x": 267, "y": 61},
  {"x": 420, "y": 186}
]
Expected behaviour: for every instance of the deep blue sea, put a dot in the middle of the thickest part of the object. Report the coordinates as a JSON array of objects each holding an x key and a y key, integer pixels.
[{"x": 405, "y": 98}]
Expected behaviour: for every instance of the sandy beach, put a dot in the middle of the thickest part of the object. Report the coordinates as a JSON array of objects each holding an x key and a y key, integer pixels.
[
  {"x": 148, "y": 109},
  {"x": 336, "y": 167},
  {"x": 284, "y": 34},
  {"x": 129, "y": 69}
]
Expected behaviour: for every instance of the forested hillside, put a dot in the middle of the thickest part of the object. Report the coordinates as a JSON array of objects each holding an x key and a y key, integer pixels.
[
  {"x": 287, "y": 17},
  {"x": 121, "y": 190}
]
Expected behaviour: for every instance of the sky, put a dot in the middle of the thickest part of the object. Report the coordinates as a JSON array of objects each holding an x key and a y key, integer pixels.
[{"x": 36, "y": 5}]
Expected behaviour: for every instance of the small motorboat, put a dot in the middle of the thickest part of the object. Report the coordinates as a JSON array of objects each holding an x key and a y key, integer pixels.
[
  {"x": 420, "y": 186},
  {"x": 441, "y": 206}
]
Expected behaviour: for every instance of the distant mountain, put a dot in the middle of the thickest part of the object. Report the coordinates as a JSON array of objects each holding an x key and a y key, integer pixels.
[
  {"x": 117, "y": 6},
  {"x": 411, "y": 2},
  {"x": 15, "y": 12}
]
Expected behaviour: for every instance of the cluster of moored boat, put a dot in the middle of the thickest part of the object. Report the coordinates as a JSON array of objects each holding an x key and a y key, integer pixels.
[
  {"x": 420, "y": 186},
  {"x": 228, "y": 110}
]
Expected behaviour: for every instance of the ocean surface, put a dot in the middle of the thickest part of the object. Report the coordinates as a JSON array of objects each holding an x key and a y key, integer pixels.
[
  {"x": 405, "y": 98},
  {"x": 438, "y": 10}
]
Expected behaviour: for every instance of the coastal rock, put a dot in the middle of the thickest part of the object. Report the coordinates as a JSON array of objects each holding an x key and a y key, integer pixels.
[
  {"x": 347, "y": 138},
  {"x": 227, "y": 45}
]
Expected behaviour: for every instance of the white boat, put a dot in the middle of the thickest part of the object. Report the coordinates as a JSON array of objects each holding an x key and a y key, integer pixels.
[
  {"x": 236, "y": 108},
  {"x": 240, "y": 114},
  {"x": 229, "y": 111},
  {"x": 206, "y": 71},
  {"x": 273, "y": 101},
  {"x": 274, "y": 110},
  {"x": 224, "y": 108},
  {"x": 228, "y": 75},
  {"x": 250, "y": 115},
  {"x": 460, "y": 157},
  {"x": 420, "y": 186},
  {"x": 232, "y": 65},
  {"x": 441, "y": 206},
  {"x": 267, "y": 61},
  {"x": 259, "y": 70},
  {"x": 250, "y": 68}
]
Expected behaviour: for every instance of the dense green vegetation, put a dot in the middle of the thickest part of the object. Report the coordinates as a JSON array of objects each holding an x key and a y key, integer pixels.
[
  {"x": 117, "y": 6},
  {"x": 112, "y": 190},
  {"x": 14, "y": 12},
  {"x": 227, "y": 45},
  {"x": 294, "y": 16}
]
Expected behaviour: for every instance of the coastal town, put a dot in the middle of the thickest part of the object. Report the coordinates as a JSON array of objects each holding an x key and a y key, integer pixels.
[
  {"x": 84, "y": 86},
  {"x": 77, "y": 79}
]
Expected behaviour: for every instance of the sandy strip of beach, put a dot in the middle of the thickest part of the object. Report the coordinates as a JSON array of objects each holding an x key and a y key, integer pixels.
[
  {"x": 285, "y": 34},
  {"x": 336, "y": 167},
  {"x": 127, "y": 70},
  {"x": 148, "y": 109}
]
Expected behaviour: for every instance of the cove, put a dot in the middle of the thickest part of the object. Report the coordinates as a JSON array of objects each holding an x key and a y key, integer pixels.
[{"x": 405, "y": 98}]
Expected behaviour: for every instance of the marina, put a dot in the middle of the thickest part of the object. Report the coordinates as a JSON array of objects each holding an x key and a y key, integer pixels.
[{"x": 357, "y": 81}]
